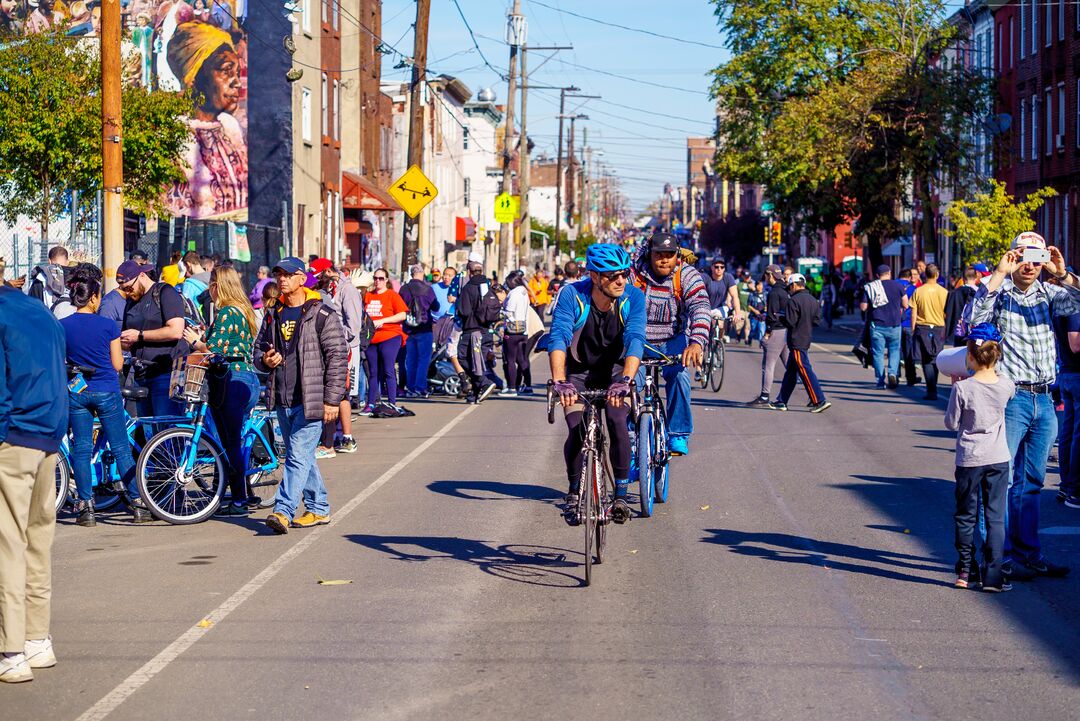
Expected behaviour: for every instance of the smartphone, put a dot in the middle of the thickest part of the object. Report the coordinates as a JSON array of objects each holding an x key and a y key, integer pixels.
[{"x": 1036, "y": 255}]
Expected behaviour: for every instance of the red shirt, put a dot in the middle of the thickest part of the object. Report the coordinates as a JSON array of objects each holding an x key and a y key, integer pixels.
[{"x": 383, "y": 305}]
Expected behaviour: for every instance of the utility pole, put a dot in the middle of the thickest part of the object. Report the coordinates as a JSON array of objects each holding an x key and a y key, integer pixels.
[
  {"x": 516, "y": 30},
  {"x": 558, "y": 175},
  {"x": 410, "y": 246},
  {"x": 112, "y": 153},
  {"x": 583, "y": 212}
]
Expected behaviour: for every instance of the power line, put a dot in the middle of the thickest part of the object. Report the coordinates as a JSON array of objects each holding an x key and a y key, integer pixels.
[
  {"x": 632, "y": 79},
  {"x": 628, "y": 28},
  {"x": 475, "y": 44}
]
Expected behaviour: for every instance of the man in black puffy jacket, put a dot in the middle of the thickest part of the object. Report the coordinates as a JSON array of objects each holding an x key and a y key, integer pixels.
[
  {"x": 477, "y": 311},
  {"x": 800, "y": 317}
]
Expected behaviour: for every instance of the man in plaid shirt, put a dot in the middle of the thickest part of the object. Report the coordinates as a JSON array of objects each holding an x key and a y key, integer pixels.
[{"x": 1023, "y": 308}]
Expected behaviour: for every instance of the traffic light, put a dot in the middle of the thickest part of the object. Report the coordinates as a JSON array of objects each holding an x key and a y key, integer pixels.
[{"x": 774, "y": 233}]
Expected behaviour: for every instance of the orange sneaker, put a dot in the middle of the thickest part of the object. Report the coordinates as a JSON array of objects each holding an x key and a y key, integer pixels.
[
  {"x": 278, "y": 523},
  {"x": 309, "y": 519}
]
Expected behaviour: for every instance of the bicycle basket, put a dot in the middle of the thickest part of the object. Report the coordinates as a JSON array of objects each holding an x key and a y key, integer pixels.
[{"x": 188, "y": 379}]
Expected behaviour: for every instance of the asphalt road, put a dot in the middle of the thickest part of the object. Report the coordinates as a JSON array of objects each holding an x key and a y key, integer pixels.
[{"x": 802, "y": 570}]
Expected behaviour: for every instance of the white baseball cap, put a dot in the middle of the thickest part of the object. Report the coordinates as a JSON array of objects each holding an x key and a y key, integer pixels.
[
  {"x": 476, "y": 257},
  {"x": 796, "y": 278},
  {"x": 1028, "y": 239}
]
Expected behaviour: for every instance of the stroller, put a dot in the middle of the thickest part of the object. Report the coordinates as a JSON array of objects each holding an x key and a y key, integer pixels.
[{"x": 442, "y": 378}]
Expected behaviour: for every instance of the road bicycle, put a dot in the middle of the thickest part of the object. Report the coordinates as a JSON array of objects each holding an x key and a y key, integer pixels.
[
  {"x": 597, "y": 490},
  {"x": 181, "y": 471},
  {"x": 649, "y": 428},
  {"x": 712, "y": 363}
]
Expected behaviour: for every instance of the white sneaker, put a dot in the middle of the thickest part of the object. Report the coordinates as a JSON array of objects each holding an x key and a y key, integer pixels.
[
  {"x": 39, "y": 654},
  {"x": 14, "y": 668}
]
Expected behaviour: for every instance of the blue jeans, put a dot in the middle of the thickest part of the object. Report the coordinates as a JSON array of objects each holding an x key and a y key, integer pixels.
[
  {"x": 1069, "y": 437},
  {"x": 158, "y": 403},
  {"x": 1030, "y": 428},
  {"x": 241, "y": 395},
  {"x": 417, "y": 360},
  {"x": 677, "y": 384},
  {"x": 884, "y": 338},
  {"x": 109, "y": 408},
  {"x": 757, "y": 329},
  {"x": 301, "y": 476}
]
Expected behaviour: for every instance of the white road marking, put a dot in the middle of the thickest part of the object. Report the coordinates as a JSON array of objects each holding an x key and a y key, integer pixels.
[
  {"x": 841, "y": 356},
  {"x": 1061, "y": 530},
  {"x": 170, "y": 653}
]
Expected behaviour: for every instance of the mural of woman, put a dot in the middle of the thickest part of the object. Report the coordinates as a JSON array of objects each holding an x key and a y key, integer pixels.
[{"x": 205, "y": 60}]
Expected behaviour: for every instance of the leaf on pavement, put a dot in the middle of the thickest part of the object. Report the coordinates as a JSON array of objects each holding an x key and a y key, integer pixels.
[
  {"x": 205, "y": 623},
  {"x": 633, "y": 551},
  {"x": 705, "y": 508},
  {"x": 336, "y": 582}
]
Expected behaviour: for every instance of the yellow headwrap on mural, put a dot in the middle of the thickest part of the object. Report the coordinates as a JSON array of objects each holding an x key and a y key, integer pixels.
[{"x": 191, "y": 45}]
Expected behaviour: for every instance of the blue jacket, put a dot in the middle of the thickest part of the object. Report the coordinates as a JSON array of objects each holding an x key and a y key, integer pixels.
[
  {"x": 572, "y": 310},
  {"x": 33, "y": 374}
]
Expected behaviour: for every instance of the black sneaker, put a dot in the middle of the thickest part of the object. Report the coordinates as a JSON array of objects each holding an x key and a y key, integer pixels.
[
  {"x": 570, "y": 511},
  {"x": 483, "y": 395},
  {"x": 525, "y": 391},
  {"x": 1042, "y": 567},
  {"x": 893, "y": 382},
  {"x": 1072, "y": 501},
  {"x": 1061, "y": 496},
  {"x": 620, "y": 511},
  {"x": 778, "y": 406},
  {"x": 1016, "y": 571},
  {"x": 759, "y": 401},
  {"x": 818, "y": 408}
]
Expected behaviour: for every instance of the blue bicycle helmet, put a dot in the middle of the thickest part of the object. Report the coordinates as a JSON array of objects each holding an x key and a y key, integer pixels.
[{"x": 606, "y": 257}]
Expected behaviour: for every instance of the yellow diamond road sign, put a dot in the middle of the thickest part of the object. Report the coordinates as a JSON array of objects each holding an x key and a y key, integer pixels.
[
  {"x": 507, "y": 208},
  {"x": 413, "y": 191}
]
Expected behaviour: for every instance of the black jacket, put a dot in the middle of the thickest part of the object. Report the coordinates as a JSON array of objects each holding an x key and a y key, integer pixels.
[
  {"x": 954, "y": 310},
  {"x": 469, "y": 309},
  {"x": 803, "y": 313},
  {"x": 775, "y": 307}
]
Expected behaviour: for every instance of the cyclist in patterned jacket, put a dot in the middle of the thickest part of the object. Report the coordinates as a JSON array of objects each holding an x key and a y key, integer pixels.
[{"x": 676, "y": 325}]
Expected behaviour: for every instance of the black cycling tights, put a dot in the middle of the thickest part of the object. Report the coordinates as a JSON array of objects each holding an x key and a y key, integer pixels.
[{"x": 619, "y": 438}]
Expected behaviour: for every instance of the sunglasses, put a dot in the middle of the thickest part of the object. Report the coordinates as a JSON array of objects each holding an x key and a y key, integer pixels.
[
  {"x": 613, "y": 276},
  {"x": 380, "y": 277}
]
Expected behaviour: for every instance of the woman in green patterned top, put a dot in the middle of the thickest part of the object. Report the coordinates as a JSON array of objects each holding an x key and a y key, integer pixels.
[{"x": 232, "y": 335}]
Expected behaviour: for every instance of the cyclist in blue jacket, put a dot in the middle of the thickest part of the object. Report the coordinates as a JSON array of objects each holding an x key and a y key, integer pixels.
[{"x": 597, "y": 340}]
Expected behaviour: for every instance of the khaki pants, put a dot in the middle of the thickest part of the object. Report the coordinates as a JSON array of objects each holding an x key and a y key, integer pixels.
[{"x": 27, "y": 524}]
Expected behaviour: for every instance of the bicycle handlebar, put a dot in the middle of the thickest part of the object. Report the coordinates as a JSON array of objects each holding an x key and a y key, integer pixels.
[{"x": 589, "y": 395}]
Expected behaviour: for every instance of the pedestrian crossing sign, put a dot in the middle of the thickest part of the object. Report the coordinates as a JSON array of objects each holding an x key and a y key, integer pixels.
[
  {"x": 507, "y": 208},
  {"x": 413, "y": 191}
]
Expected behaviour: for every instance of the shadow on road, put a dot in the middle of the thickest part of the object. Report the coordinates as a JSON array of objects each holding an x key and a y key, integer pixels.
[
  {"x": 839, "y": 556},
  {"x": 534, "y": 565},
  {"x": 495, "y": 491}
]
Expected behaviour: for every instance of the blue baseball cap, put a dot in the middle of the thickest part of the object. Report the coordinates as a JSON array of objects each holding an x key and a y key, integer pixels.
[{"x": 291, "y": 265}]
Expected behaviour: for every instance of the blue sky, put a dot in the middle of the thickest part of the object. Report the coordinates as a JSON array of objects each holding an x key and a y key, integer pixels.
[{"x": 644, "y": 148}]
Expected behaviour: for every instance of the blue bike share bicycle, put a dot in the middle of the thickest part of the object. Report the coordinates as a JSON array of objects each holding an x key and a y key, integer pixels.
[
  {"x": 650, "y": 462},
  {"x": 181, "y": 472}
]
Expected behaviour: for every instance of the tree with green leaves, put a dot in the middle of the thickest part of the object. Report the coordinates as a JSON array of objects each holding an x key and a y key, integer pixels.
[
  {"x": 986, "y": 225},
  {"x": 51, "y": 131},
  {"x": 845, "y": 109}
]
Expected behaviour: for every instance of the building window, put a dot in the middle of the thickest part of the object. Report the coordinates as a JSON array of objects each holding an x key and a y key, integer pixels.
[
  {"x": 1012, "y": 42},
  {"x": 1034, "y": 127},
  {"x": 1048, "y": 99},
  {"x": 325, "y": 14},
  {"x": 305, "y": 114},
  {"x": 1023, "y": 128},
  {"x": 325, "y": 107},
  {"x": 337, "y": 110},
  {"x": 468, "y": 187},
  {"x": 335, "y": 11},
  {"x": 1048, "y": 30},
  {"x": 305, "y": 16},
  {"x": 465, "y": 142},
  {"x": 1061, "y": 19},
  {"x": 1023, "y": 27},
  {"x": 1059, "y": 142}
]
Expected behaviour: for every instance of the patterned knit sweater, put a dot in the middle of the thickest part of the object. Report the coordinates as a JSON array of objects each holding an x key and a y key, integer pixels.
[{"x": 667, "y": 315}]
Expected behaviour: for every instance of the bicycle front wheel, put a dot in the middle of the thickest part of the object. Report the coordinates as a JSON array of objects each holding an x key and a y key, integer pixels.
[
  {"x": 706, "y": 367},
  {"x": 588, "y": 483},
  {"x": 645, "y": 464},
  {"x": 718, "y": 367},
  {"x": 172, "y": 491}
]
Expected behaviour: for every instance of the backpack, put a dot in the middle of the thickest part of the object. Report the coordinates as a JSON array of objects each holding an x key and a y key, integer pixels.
[
  {"x": 58, "y": 304},
  {"x": 418, "y": 314},
  {"x": 490, "y": 311},
  {"x": 367, "y": 332},
  {"x": 191, "y": 311},
  {"x": 643, "y": 284}
]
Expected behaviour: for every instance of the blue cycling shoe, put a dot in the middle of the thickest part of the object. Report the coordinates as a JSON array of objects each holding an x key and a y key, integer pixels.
[{"x": 678, "y": 445}]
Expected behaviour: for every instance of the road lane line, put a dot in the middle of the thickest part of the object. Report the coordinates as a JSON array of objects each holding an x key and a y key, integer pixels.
[
  {"x": 170, "y": 653},
  {"x": 841, "y": 356}
]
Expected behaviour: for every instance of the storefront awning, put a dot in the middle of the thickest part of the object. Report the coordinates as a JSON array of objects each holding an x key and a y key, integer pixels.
[
  {"x": 361, "y": 193},
  {"x": 464, "y": 229}
]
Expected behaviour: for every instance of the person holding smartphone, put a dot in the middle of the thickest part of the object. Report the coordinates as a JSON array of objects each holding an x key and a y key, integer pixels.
[{"x": 1022, "y": 308}]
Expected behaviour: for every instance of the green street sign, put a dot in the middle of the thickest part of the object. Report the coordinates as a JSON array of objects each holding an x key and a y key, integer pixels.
[{"x": 766, "y": 207}]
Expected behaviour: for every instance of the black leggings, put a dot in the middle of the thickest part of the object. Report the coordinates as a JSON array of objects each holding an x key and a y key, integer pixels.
[
  {"x": 618, "y": 439},
  {"x": 516, "y": 360}
]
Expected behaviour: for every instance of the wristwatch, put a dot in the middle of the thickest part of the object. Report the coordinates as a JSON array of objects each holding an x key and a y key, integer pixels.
[
  {"x": 627, "y": 379},
  {"x": 140, "y": 337}
]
